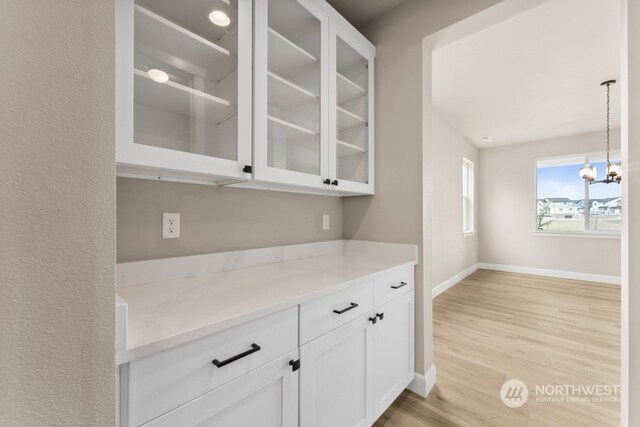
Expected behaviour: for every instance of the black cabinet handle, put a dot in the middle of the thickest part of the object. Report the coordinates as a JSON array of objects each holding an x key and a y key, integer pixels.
[
  {"x": 400, "y": 285},
  {"x": 254, "y": 348},
  {"x": 334, "y": 182},
  {"x": 373, "y": 319},
  {"x": 344, "y": 310},
  {"x": 380, "y": 316},
  {"x": 327, "y": 181}
]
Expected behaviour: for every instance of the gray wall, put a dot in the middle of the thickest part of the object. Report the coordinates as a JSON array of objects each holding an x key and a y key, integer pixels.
[
  {"x": 454, "y": 251},
  {"x": 57, "y": 183},
  {"x": 507, "y": 211},
  {"x": 395, "y": 214},
  {"x": 217, "y": 219}
]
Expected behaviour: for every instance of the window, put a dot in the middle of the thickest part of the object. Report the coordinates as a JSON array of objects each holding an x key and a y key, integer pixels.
[
  {"x": 468, "y": 224},
  {"x": 565, "y": 203}
]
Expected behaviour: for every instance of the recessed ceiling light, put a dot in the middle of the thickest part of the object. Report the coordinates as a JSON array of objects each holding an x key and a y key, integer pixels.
[
  {"x": 158, "y": 75},
  {"x": 219, "y": 18},
  {"x": 486, "y": 139}
]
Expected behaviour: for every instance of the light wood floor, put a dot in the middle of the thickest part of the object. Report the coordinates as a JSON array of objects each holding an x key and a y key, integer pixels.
[{"x": 495, "y": 326}]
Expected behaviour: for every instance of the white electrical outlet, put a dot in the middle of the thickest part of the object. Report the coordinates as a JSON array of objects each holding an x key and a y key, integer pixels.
[
  {"x": 326, "y": 222},
  {"x": 170, "y": 225}
]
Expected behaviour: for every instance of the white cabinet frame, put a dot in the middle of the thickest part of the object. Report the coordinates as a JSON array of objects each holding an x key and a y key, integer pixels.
[
  {"x": 145, "y": 161},
  {"x": 337, "y": 28},
  {"x": 261, "y": 170}
]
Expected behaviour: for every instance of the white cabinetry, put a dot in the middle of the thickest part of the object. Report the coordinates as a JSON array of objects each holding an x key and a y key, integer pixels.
[
  {"x": 393, "y": 355},
  {"x": 350, "y": 375},
  {"x": 338, "y": 360},
  {"x": 266, "y": 397},
  {"x": 290, "y": 104},
  {"x": 351, "y": 109},
  {"x": 281, "y": 97},
  {"x": 336, "y": 378},
  {"x": 183, "y": 105}
]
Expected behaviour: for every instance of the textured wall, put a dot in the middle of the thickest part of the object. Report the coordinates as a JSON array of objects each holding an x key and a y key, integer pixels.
[
  {"x": 396, "y": 212},
  {"x": 455, "y": 252},
  {"x": 507, "y": 211},
  {"x": 57, "y": 215},
  {"x": 631, "y": 242},
  {"x": 217, "y": 219}
]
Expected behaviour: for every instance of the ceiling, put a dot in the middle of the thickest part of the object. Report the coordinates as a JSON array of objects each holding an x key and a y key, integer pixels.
[
  {"x": 534, "y": 76},
  {"x": 361, "y": 12}
]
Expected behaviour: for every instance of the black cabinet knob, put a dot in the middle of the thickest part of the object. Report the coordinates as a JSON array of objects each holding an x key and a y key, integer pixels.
[
  {"x": 327, "y": 181},
  {"x": 334, "y": 182}
]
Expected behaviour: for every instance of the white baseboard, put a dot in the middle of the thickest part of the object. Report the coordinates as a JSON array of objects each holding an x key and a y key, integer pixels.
[
  {"x": 610, "y": 280},
  {"x": 422, "y": 384},
  {"x": 452, "y": 281}
]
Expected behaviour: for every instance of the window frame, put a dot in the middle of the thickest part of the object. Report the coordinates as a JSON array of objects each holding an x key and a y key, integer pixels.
[
  {"x": 581, "y": 158},
  {"x": 468, "y": 197}
]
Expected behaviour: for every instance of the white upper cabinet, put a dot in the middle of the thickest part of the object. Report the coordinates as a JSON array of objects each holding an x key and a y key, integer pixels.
[
  {"x": 271, "y": 94},
  {"x": 351, "y": 109},
  {"x": 290, "y": 104},
  {"x": 181, "y": 113}
]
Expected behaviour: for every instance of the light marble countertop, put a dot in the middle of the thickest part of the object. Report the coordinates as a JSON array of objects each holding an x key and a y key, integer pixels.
[{"x": 168, "y": 313}]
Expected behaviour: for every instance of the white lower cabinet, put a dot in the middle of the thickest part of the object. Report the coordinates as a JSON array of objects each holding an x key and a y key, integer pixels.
[
  {"x": 336, "y": 361},
  {"x": 336, "y": 377},
  {"x": 266, "y": 397},
  {"x": 393, "y": 355}
]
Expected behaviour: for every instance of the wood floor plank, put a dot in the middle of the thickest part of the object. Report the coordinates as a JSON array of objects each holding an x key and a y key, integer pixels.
[{"x": 494, "y": 326}]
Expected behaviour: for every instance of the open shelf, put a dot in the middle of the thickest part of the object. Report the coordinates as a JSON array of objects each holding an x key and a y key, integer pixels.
[
  {"x": 291, "y": 62},
  {"x": 168, "y": 42},
  {"x": 347, "y": 89},
  {"x": 284, "y": 94},
  {"x": 348, "y": 120},
  {"x": 178, "y": 99},
  {"x": 344, "y": 149},
  {"x": 290, "y": 129},
  {"x": 288, "y": 49}
]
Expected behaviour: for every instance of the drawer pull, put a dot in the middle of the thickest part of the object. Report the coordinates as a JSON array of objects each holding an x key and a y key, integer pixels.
[
  {"x": 373, "y": 319},
  {"x": 380, "y": 316},
  {"x": 399, "y": 286},
  {"x": 344, "y": 310},
  {"x": 254, "y": 348}
]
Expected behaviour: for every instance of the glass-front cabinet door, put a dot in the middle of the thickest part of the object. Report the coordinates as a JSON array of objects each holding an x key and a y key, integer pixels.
[
  {"x": 290, "y": 103},
  {"x": 180, "y": 110},
  {"x": 351, "y": 110}
]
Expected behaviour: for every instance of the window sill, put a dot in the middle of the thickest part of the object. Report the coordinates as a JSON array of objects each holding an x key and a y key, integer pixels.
[
  {"x": 469, "y": 233},
  {"x": 584, "y": 235}
]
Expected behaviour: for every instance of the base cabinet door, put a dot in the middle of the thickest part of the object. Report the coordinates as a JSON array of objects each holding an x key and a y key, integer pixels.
[
  {"x": 393, "y": 337},
  {"x": 336, "y": 377},
  {"x": 266, "y": 397}
]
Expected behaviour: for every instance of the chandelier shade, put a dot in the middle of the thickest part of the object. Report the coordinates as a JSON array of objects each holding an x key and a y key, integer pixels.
[{"x": 614, "y": 170}]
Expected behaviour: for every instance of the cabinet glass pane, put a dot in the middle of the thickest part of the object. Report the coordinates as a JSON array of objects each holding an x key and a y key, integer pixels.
[
  {"x": 293, "y": 87},
  {"x": 352, "y": 143},
  {"x": 185, "y": 77}
]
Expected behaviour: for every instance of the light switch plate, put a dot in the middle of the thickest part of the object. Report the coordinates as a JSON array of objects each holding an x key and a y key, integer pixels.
[
  {"x": 326, "y": 222},
  {"x": 170, "y": 225}
]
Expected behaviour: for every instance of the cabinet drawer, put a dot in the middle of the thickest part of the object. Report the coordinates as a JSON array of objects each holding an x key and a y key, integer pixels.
[
  {"x": 166, "y": 380},
  {"x": 393, "y": 285},
  {"x": 266, "y": 397},
  {"x": 325, "y": 314}
]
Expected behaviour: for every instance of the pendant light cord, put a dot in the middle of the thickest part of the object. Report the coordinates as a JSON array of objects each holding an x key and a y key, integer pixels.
[{"x": 608, "y": 126}]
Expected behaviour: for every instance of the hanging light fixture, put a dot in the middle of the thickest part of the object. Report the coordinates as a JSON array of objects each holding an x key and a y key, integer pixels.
[{"x": 614, "y": 170}]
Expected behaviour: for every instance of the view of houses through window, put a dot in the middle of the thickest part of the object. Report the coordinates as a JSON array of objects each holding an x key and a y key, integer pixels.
[{"x": 566, "y": 204}]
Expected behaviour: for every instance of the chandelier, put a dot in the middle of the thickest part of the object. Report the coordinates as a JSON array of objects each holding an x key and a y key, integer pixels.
[{"x": 614, "y": 171}]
